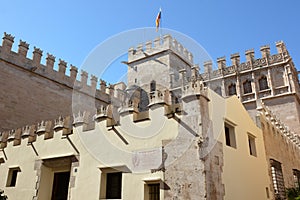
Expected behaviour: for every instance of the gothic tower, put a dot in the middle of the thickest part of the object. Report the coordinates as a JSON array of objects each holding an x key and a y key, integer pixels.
[{"x": 157, "y": 65}]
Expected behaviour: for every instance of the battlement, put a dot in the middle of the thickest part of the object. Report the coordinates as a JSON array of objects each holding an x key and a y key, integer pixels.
[
  {"x": 111, "y": 114},
  {"x": 280, "y": 127},
  {"x": 34, "y": 65},
  {"x": 251, "y": 62},
  {"x": 194, "y": 88},
  {"x": 159, "y": 45},
  {"x": 31, "y": 132}
]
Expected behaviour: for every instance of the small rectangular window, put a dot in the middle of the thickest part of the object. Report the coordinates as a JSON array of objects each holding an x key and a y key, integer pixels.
[
  {"x": 230, "y": 135},
  {"x": 252, "y": 146},
  {"x": 267, "y": 192},
  {"x": 114, "y": 185},
  {"x": 12, "y": 177}
]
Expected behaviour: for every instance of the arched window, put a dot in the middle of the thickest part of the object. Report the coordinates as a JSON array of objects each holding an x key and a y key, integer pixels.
[
  {"x": 247, "y": 87},
  {"x": 232, "y": 89},
  {"x": 263, "y": 83},
  {"x": 278, "y": 78},
  {"x": 152, "y": 86}
]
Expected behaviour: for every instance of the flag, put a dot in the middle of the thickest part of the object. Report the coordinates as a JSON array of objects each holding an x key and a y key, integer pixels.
[{"x": 157, "y": 21}]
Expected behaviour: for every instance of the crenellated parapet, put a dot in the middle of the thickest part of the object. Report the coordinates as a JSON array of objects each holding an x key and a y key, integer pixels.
[
  {"x": 279, "y": 126},
  {"x": 7, "y": 42},
  {"x": 34, "y": 66},
  {"x": 107, "y": 113},
  {"x": 251, "y": 62},
  {"x": 45, "y": 129},
  {"x": 194, "y": 88},
  {"x": 29, "y": 132},
  {"x": 101, "y": 112},
  {"x": 80, "y": 118},
  {"x": 3, "y": 139},
  {"x": 130, "y": 101},
  {"x": 159, "y": 45},
  {"x": 23, "y": 48},
  {"x": 63, "y": 124},
  {"x": 159, "y": 97},
  {"x": 110, "y": 114}
]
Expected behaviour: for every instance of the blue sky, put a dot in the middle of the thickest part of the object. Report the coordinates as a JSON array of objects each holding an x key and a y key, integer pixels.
[{"x": 72, "y": 29}]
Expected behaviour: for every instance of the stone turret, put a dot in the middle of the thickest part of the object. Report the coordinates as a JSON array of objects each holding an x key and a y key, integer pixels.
[{"x": 164, "y": 56}]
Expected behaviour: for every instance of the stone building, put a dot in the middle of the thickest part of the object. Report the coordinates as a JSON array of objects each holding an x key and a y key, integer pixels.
[
  {"x": 31, "y": 91},
  {"x": 282, "y": 151},
  {"x": 271, "y": 78},
  {"x": 167, "y": 134},
  {"x": 191, "y": 156}
]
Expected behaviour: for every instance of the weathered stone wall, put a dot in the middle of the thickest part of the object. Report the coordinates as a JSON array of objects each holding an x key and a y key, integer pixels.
[
  {"x": 214, "y": 163},
  {"x": 27, "y": 98},
  {"x": 153, "y": 68},
  {"x": 185, "y": 171},
  {"x": 287, "y": 109},
  {"x": 193, "y": 167},
  {"x": 31, "y": 91},
  {"x": 281, "y": 145}
]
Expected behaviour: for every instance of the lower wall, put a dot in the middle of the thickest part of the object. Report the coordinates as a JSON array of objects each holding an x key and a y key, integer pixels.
[{"x": 282, "y": 150}]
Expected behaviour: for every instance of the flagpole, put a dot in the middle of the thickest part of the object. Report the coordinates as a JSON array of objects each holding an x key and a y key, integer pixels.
[{"x": 160, "y": 23}]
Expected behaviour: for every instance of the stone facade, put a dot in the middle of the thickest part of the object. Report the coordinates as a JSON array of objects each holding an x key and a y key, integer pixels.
[
  {"x": 195, "y": 161},
  {"x": 162, "y": 60},
  {"x": 271, "y": 78},
  {"x": 31, "y": 91},
  {"x": 282, "y": 150},
  {"x": 167, "y": 128}
]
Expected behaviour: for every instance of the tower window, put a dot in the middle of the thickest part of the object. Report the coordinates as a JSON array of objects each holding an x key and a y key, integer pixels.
[
  {"x": 232, "y": 89},
  {"x": 263, "y": 83},
  {"x": 153, "y": 86},
  {"x": 12, "y": 177},
  {"x": 247, "y": 87}
]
